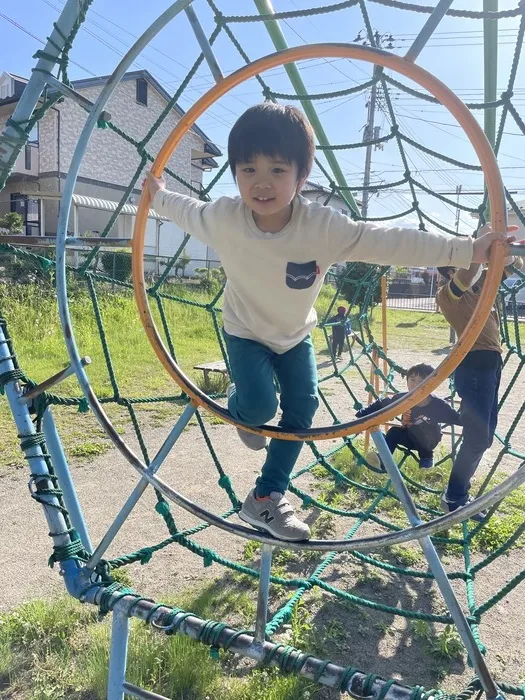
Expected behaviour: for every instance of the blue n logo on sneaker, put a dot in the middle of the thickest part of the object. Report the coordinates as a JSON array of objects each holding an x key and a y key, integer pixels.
[{"x": 267, "y": 517}]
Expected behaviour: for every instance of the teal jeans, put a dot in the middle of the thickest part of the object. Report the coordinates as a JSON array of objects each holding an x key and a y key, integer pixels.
[{"x": 254, "y": 401}]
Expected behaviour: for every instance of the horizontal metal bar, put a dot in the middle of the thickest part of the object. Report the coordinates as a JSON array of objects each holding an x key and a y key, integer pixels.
[
  {"x": 163, "y": 620},
  {"x": 52, "y": 381},
  {"x": 74, "y": 95},
  {"x": 363, "y": 544},
  {"x": 41, "y": 241},
  {"x": 137, "y": 692}
]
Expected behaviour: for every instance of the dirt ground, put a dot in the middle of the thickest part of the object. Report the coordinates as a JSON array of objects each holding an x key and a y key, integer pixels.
[{"x": 373, "y": 641}]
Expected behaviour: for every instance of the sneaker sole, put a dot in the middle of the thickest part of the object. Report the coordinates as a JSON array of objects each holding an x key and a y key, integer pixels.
[
  {"x": 477, "y": 518},
  {"x": 266, "y": 528},
  {"x": 246, "y": 437}
]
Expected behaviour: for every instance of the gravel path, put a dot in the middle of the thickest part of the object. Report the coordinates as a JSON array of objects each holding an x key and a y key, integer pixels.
[{"x": 104, "y": 483}]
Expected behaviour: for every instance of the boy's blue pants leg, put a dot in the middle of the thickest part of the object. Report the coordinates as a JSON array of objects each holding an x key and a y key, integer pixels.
[
  {"x": 478, "y": 389},
  {"x": 254, "y": 401}
]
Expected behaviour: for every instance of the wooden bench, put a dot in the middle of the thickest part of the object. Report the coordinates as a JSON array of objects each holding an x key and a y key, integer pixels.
[{"x": 217, "y": 366}]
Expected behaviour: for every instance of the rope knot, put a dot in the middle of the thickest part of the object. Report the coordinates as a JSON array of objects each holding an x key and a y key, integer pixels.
[{"x": 162, "y": 508}]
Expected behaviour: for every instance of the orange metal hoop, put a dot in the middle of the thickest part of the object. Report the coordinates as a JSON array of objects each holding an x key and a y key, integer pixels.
[{"x": 498, "y": 217}]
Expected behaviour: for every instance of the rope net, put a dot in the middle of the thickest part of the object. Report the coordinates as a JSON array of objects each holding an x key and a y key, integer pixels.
[{"x": 334, "y": 480}]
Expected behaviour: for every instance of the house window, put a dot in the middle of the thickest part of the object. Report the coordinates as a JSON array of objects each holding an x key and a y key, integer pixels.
[
  {"x": 33, "y": 136},
  {"x": 28, "y": 150},
  {"x": 29, "y": 210},
  {"x": 142, "y": 91},
  {"x": 345, "y": 211}
]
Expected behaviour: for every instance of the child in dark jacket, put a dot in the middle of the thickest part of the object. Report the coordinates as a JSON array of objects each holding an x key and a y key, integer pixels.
[
  {"x": 338, "y": 332},
  {"x": 420, "y": 426}
]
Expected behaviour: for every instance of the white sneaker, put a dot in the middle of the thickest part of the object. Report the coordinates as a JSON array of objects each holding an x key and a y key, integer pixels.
[
  {"x": 448, "y": 506},
  {"x": 252, "y": 440},
  {"x": 274, "y": 514}
]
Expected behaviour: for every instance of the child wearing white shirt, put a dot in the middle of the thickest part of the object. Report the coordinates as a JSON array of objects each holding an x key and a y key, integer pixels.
[{"x": 275, "y": 247}]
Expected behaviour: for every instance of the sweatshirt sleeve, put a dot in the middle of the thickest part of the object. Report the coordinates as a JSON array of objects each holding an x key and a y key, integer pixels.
[
  {"x": 394, "y": 245},
  {"x": 446, "y": 414},
  {"x": 380, "y": 403},
  {"x": 200, "y": 219}
]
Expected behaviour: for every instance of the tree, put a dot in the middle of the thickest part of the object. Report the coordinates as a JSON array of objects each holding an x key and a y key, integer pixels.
[
  {"x": 182, "y": 262},
  {"x": 360, "y": 284},
  {"x": 13, "y": 222}
]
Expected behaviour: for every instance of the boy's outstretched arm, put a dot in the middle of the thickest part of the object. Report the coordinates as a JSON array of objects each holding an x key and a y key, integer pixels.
[
  {"x": 394, "y": 245},
  {"x": 200, "y": 219}
]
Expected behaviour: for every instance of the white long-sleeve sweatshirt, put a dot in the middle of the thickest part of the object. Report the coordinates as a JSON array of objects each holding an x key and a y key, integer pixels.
[{"x": 273, "y": 279}]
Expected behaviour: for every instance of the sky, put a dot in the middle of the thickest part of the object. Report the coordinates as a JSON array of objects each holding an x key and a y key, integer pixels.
[{"x": 454, "y": 54}]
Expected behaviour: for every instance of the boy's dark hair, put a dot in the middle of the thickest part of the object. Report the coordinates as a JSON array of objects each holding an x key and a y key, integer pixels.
[
  {"x": 270, "y": 129},
  {"x": 420, "y": 370},
  {"x": 446, "y": 270}
]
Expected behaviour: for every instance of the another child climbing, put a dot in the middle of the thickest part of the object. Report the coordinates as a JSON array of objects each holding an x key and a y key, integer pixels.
[
  {"x": 276, "y": 247},
  {"x": 420, "y": 426},
  {"x": 476, "y": 378},
  {"x": 339, "y": 332}
]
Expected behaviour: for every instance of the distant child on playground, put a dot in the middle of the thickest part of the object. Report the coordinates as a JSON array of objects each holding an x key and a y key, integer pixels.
[
  {"x": 276, "y": 247},
  {"x": 341, "y": 328},
  {"x": 420, "y": 426}
]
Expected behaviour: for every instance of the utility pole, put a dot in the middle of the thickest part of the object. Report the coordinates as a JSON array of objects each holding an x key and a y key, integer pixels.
[
  {"x": 458, "y": 195},
  {"x": 368, "y": 135},
  {"x": 369, "y": 131}
]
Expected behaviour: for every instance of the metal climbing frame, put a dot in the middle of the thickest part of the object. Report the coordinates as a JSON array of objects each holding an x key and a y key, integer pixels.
[{"x": 124, "y": 604}]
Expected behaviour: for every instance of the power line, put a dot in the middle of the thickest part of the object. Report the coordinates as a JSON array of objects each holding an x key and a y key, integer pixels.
[{"x": 41, "y": 41}]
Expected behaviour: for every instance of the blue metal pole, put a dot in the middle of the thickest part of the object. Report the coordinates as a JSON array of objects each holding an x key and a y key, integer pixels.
[
  {"x": 34, "y": 88},
  {"x": 65, "y": 480},
  {"x": 428, "y": 29},
  {"x": 118, "y": 655},
  {"x": 141, "y": 486},
  {"x": 65, "y": 208},
  {"x": 264, "y": 592},
  {"x": 56, "y": 522},
  {"x": 440, "y": 575},
  {"x": 206, "y": 49}
]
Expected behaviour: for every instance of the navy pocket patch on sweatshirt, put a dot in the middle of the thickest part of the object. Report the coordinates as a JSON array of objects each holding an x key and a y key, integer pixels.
[{"x": 301, "y": 275}]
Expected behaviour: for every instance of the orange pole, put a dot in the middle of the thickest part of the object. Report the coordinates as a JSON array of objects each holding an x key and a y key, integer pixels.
[
  {"x": 498, "y": 215},
  {"x": 384, "y": 330},
  {"x": 373, "y": 382},
  {"x": 384, "y": 327}
]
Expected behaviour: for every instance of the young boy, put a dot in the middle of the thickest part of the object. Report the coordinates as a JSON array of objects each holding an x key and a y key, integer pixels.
[
  {"x": 420, "y": 426},
  {"x": 338, "y": 332},
  {"x": 476, "y": 378},
  {"x": 276, "y": 247}
]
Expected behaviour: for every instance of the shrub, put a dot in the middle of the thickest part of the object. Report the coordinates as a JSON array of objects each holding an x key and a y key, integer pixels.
[
  {"x": 117, "y": 264},
  {"x": 13, "y": 222}
]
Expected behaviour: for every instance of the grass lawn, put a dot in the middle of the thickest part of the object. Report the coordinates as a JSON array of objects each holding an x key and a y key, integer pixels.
[{"x": 31, "y": 313}]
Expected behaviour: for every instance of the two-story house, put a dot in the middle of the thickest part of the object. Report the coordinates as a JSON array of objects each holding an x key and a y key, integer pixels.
[{"x": 36, "y": 183}]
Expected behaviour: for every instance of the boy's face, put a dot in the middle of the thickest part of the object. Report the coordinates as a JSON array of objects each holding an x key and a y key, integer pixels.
[
  {"x": 267, "y": 185},
  {"x": 413, "y": 381}
]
